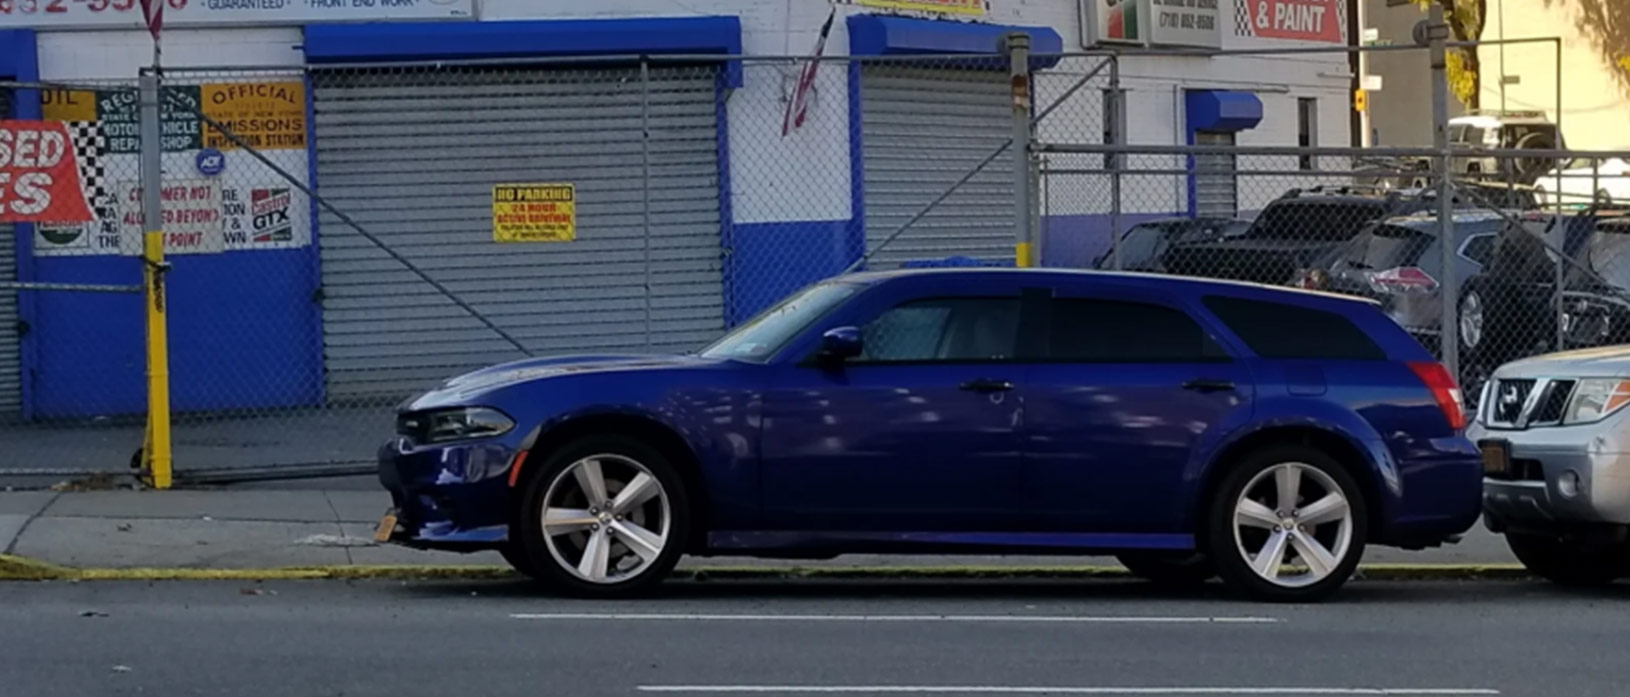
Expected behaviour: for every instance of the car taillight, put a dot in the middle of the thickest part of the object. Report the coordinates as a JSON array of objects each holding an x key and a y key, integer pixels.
[
  {"x": 1405, "y": 279},
  {"x": 1444, "y": 390}
]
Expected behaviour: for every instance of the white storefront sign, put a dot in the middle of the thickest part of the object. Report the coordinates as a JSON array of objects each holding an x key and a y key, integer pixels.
[
  {"x": 126, "y": 14},
  {"x": 1185, "y": 23}
]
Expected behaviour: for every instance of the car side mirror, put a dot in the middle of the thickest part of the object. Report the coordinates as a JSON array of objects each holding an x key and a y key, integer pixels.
[{"x": 840, "y": 344}]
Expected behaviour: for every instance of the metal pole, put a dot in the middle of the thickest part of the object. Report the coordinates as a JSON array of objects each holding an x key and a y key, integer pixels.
[
  {"x": 156, "y": 449},
  {"x": 645, "y": 185},
  {"x": 1115, "y": 126},
  {"x": 1449, "y": 331},
  {"x": 1017, "y": 45}
]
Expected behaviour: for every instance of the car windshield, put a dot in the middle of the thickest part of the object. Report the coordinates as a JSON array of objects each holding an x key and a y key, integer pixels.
[
  {"x": 1138, "y": 246},
  {"x": 1315, "y": 220},
  {"x": 765, "y": 334}
]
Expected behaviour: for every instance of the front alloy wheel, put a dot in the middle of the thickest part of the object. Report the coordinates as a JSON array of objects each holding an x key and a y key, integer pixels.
[
  {"x": 1287, "y": 525},
  {"x": 609, "y": 521}
]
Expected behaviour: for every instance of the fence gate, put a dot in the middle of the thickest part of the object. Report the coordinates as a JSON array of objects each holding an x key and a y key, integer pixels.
[
  {"x": 413, "y": 155},
  {"x": 923, "y": 129}
]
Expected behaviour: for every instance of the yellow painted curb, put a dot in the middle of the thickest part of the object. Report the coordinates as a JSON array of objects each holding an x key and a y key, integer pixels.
[{"x": 14, "y": 568}]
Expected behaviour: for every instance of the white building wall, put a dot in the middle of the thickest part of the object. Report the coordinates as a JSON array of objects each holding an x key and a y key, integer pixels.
[{"x": 118, "y": 54}]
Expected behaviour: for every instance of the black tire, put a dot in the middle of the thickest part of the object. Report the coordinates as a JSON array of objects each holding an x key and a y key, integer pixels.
[
  {"x": 1170, "y": 569},
  {"x": 1568, "y": 563},
  {"x": 1225, "y": 549},
  {"x": 515, "y": 554},
  {"x": 542, "y": 562}
]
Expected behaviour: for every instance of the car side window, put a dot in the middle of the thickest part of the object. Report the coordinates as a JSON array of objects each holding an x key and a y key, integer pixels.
[
  {"x": 1282, "y": 330},
  {"x": 1478, "y": 249},
  {"x": 1114, "y": 331},
  {"x": 943, "y": 329}
]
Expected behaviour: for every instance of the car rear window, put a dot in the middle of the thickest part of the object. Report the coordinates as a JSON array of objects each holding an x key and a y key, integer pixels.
[
  {"x": 1388, "y": 247},
  {"x": 1283, "y": 330}
]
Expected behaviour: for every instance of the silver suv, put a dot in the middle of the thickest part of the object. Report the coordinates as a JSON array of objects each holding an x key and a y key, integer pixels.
[{"x": 1555, "y": 437}]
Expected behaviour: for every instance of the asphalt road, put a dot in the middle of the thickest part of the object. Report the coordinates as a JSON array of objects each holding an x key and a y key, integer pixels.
[{"x": 497, "y": 639}]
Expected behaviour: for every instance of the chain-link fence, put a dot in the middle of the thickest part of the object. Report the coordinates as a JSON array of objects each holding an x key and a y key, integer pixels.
[{"x": 344, "y": 236}]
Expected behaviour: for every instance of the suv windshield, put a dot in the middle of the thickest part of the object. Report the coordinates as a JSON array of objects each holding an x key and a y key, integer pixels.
[
  {"x": 1327, "y": 221},
  {"x": 1140, "y": 245},
  {"x": 765, "y": 334}
]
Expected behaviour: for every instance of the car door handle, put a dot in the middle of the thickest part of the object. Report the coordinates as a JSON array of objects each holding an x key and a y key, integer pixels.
[
  {"x": 986, "y": 385},
  {"x": 1209, "y": 385}
]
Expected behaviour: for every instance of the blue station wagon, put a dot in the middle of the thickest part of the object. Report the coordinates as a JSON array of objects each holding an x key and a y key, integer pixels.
[{"x": 1192, "y": 428}]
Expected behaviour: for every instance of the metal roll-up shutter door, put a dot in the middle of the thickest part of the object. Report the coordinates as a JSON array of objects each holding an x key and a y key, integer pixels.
[
  {"x": 11, "y": 365},
  {"x": 413, "y": 156},
  {"x": 1216, "y": 185},
  {"x": 922, "y": 130}
]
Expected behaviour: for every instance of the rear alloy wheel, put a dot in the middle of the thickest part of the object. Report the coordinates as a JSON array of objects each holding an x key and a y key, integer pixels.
[
  {"x": 1287, "y": 525},
  {"x": 1174, "y": 569},
  {"x": 1471, "y": 321},
  {"x": 1569, "y": 563},
  {"x": 607, "y": 517}
]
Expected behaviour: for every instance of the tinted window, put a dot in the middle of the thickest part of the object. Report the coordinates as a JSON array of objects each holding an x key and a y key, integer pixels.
[
  {"x": 1107, "y": 331},
  {"x": 944, "y": 329},
  {"x": 1280, "y": 330},
  {"x": 1330, "y": 221},
  {"x": 1478, "y": 249},
  {"x": 1388, "y": 247}
]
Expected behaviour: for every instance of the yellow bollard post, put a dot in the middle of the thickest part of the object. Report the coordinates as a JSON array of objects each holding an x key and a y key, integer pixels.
[{"x": 157, "y": 450}]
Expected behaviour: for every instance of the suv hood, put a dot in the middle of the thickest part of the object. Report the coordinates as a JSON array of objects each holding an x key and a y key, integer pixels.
[{"x": 1601, "y": 362}]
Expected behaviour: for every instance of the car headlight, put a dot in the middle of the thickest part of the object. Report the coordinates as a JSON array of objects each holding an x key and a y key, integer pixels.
[
  {"x": 1596, "y": 399},
  {"x": 460, "y": 423}
]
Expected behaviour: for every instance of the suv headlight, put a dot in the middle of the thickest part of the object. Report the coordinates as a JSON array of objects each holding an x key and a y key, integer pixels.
[
  {"x": 1596, "y": 399},
  {"x": 459, "y": 423}
]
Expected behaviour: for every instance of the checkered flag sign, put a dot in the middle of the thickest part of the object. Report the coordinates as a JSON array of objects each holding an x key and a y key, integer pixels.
[
  {"x": 153, "y": 12},
  {"x": 90, "y": 144}
]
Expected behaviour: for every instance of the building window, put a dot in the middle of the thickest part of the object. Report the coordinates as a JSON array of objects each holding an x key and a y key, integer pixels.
[{"x": 1307, "y": 130}]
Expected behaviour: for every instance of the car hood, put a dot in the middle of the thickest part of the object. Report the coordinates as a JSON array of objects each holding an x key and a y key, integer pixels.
[
  {"x": 474, "y": 384},
  {"x": 1605, "y": 361}
]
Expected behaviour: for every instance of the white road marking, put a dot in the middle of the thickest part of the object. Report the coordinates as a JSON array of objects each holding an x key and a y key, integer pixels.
[
  {"x": 1066, "y": 619},
  {"x": 1012, "y": 690}
]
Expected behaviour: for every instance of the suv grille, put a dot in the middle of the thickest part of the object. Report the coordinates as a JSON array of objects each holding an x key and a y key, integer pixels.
[
  {"x": 1507, "y": 402},
  {"x": 1552, "y": 403},
  {"x": 1524, "y": 402}
]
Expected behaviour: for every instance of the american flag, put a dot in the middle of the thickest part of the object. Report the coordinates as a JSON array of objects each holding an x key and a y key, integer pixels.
[{"x": 798, "y": 106}]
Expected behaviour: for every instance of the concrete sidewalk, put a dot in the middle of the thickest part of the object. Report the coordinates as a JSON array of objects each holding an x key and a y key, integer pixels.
[{"x": 260, "y": 529}]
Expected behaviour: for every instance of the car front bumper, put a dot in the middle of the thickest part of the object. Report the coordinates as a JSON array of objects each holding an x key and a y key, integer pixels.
[
  {"x": 1562, "y": 476},
  {"x": 454, "y": 497}
]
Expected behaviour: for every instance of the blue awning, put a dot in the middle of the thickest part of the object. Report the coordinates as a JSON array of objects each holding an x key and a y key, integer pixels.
[
  {"x": 1223, "y": 111},
  {"x": 410, "y": 41},
  {"x": 876, "y": 35}
]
